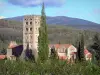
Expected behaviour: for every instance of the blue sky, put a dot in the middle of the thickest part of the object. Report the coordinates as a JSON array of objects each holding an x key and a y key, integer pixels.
[{"x": 83, "y": 9}]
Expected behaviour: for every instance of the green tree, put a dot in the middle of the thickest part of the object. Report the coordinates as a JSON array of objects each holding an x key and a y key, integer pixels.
[
  {"x": 53, "y": 54},
  {"x": 96, "y": 46},
  {"x": 81, "y": 48},
  {"x": 43, "y": 38},
  {"x": 4, "y": 51}
]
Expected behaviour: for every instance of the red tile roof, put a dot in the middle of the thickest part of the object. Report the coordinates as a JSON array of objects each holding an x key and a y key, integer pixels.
[
  {"x": 60, "y": 45},
  {"x": 86, "y": 51},
  {"x": 2, "y": 57},
  {"x": 12, "y": 45}
]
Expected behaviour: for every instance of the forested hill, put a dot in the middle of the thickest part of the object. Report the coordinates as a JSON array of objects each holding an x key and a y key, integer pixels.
[
  {"x": 67, "y": 21},
  {"x": 60, "y": 20},
  {"x": 12, "y": 30}
]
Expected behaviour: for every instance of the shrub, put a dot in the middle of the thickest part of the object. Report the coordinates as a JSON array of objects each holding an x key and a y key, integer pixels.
[{"x": 57, "y": 67}]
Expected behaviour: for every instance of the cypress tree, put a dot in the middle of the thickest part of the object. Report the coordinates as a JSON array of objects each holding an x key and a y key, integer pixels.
[
  {"x": 43, "y": 38},
  {"x": 81, "y": 48},
  {"x": 53, "y": 54},
  {"x": 78, "y": 52}
]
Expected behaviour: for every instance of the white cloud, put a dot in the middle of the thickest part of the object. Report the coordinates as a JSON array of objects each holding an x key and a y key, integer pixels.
[{"x": 50, "y": 3}]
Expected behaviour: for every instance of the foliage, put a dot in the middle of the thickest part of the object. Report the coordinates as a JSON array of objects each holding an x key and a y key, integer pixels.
[
  {"x": 53, "y": 54},
  {"x": 4, "y": 51},
  {"x": 57, "y": 67},
  {"x": 12, "y": 30},
  {"x": 81, "y": 48},
  {"x": 95, "y": 48},
  {"x": 43, "y": 38}
]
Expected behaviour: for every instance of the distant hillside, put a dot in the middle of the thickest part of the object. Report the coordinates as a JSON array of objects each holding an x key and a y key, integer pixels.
[
  {"x": 12, "y": 30},
  {"x": 60, "y": 20},
  {"x": 67, "y": 21}
]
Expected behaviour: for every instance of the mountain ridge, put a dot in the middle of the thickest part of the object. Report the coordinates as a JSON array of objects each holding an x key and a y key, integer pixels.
[
  {"x": 65, "y": 21},
  {"x": 60, "y": 20}
]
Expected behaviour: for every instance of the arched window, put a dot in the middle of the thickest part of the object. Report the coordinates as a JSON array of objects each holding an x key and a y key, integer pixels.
[
  {"x": 30, "y": 23},
  {"x": 26, "y": 23},
  {"x": 26, "y": 29},
  {"x": 30, "y": 29}
]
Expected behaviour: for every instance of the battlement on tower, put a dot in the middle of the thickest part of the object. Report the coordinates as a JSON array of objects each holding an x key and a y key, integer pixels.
[{"x": 31, "y": 16}]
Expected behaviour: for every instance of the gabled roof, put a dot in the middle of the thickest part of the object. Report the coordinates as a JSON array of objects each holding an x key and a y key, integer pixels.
[
  {"x": 2, "y": 57},
  {"x": 86, "y": 51},
  {"x": 60, "y": 45},
  {"x": 12, "y": 44}
]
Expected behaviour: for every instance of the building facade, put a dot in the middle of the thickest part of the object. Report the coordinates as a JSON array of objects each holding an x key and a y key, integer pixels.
[
  {"x": 31, "y": 24},
  {"x": 10, "y": 55},
  {"x": 87, "y": 54},
  {"x": 65, "y": 51}
]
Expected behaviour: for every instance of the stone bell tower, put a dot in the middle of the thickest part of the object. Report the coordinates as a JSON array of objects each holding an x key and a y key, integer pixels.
[{"x": 31, "y": 24}]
